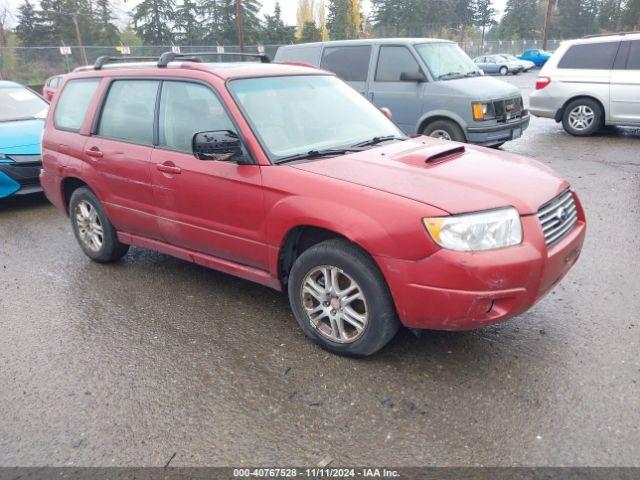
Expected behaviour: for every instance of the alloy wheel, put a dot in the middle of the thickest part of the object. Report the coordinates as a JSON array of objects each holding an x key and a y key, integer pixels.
[
  {"x": 334, "y": 304},
  {"x": 581, "y": 117},
  {"x": 443, "y": 134},
  {"x": 89, "y": 226}
]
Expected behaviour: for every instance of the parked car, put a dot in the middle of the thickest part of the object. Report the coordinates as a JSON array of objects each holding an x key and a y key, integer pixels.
[
  {"x": 286, "y": 176},
  {"x": 590, "y": 83},
  {"x": 526, "y": 64},
  {"x": 535, "y": 55},
  {"x": 498, "y": 64},
  {"x": 50, "y": 86},
  {"x": 22, "y": 114},
  {"x": 431, "y": 86}
]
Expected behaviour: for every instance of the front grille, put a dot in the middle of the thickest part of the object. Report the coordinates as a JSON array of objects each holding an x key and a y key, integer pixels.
[
  {"x": 558, "y": 216},
  {"x": 508, "y": 109}
]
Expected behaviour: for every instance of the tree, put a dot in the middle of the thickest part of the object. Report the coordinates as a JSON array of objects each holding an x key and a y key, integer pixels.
[
  {"x": 631, "y": 15},
  {"x": 304, "y": 14},
  {"x": 462, "y": 16},
  {"x": 152, "y": 21},
  {"x": 575, "y": 18},
  {"x": 310, "y": 33},
  {"x": 521, "y": 20},
  {"x": 250, "y": 21},
  {"x": 188, "y": 27},
  {"x": 29, "y": 27},
  {"x": 106, "y": 32},
  {"x": 345, "y": 19},
  {"x": 274, "y": 30},
  {"x": 484, "y": 16}
]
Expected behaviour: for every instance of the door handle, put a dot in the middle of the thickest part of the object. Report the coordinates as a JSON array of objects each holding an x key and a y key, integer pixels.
[
  {"x": 169, "y": 167},
  {"x": 94, "y": 152}
]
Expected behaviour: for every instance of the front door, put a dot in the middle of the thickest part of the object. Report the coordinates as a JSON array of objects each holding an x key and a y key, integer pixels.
[
  {"x": 625, "y": 85},
  {"x": 403, "y": 98},
  {"x": 120, "y": 155},
  {"x": 209, "y": 206}
]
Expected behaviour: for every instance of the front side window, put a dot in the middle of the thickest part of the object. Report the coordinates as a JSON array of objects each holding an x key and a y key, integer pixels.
[
  {"x": 20, "y": 103},
  {"x": 349, "y": 63},
  {"x": 593, "y": 56},
  {"x": 393, "y": 61},
  {"x": 128, "y": 111},
  {"x": 446, "y": 60},
  {"x": 186, "y": 109},
  {"x": 296, "y": 114},
  {"x": 74, "y": 102}
]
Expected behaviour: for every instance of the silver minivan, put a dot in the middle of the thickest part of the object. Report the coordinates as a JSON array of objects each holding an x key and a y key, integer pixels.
[
  {"x": 591, "y": 82},
  {"x": 431, "y": 86}
]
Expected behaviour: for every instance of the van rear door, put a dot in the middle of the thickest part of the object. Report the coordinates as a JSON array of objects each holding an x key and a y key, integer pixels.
[{"x": 625, "y": 84}]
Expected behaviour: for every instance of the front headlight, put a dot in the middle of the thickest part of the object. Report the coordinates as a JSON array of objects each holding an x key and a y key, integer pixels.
[
  {"x": 476, "y": 231},
  {"x": 483, "y": 111}
]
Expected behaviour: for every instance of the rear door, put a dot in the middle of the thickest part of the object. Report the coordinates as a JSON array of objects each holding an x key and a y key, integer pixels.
[
  {"x": 625, "y": 84},
  {"x": 119, "y": 152},
  {"x": 210, "y": 206},
  {"x": 351, "y": 63},
  {"x": 403, "y": 98}
]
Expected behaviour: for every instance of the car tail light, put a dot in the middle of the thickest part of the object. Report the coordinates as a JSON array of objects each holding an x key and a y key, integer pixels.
[{"x": 542, "y": 82}]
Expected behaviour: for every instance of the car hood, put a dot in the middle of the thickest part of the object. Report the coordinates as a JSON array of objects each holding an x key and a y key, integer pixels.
[
  {"x": 22, "y": 137},
  {"x": 475, "y": 179},
  {"x": 483, "y": 88}
]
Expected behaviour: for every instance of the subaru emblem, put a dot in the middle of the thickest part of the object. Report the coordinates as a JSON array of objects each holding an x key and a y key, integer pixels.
[{"x": 562, "y": 214}]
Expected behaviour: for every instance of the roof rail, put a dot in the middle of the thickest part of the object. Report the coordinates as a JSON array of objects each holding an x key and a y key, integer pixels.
[
  {"x": 168, "y": 57},
  {"x": 611, "y": 34},
  {"x": 105, "y": 59}
]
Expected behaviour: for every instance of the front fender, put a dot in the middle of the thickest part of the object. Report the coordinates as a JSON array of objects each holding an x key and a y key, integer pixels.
[{"x": 433, "y": 114}]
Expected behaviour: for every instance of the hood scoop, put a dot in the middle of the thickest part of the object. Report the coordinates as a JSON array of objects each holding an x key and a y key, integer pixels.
[{"x": 430, "y": 156}]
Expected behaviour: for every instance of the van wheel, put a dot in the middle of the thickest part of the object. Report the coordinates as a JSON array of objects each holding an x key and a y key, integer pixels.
[
  {"x": 503, "y": 71},
  {"x": 341, "y": 300},
  {"x": 582, "y": 117},
  {"x": 92, "y": 228},
  {"x": 445, "y": 129}
]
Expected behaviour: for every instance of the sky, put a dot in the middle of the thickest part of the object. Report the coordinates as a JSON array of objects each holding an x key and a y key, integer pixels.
[{"x": 121, "y": 7}]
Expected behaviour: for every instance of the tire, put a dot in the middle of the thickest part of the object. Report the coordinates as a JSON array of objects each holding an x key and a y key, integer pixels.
[
  {"x": 374, "y": 308},
  {"x": 497, "y": 145},
  {"x": 582, "y": 117},
  {"x": 503, "y": 71},
  {"x": 445, "y": 129},
  {"x": 88, "y": 219}
]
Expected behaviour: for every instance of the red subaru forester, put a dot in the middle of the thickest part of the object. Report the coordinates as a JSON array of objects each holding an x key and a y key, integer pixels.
[{"x": 284, "y": 175}]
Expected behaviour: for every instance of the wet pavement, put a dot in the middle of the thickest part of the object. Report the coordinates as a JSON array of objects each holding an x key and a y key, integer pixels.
[{"x": 127, "y": 364}]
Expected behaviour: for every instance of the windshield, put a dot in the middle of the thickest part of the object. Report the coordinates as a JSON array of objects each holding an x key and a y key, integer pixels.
[
  {"x": 18, "y": 103},
  {"x": 446, "y": 60},
  {"x": 296, "y": 114}
]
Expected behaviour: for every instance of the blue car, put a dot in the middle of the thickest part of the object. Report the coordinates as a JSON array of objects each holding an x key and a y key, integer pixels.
[
  {"x": 535, "y": 55},
  {"x": 22, "y": 114}
]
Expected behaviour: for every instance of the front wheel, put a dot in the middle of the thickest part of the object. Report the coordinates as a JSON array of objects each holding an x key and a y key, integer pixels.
[
  {"x": 93, "y": 230},
  {"x": 341, "y": 300},
  {"x": 444, "y": 129},
  {"x": 503, "y": 71}
]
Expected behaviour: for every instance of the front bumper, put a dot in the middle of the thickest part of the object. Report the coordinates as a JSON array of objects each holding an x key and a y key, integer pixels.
[
  {"x": 19, "y": 178},
  {"x": 466, "y": 290},
  {"x": 498, "y": 133}
]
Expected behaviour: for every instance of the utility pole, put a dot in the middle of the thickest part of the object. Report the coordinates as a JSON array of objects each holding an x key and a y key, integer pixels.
[
  {"x": 74, "y": 17},
  {"x": 240, "y": 27},
  {"x": 547, "y": 24}
]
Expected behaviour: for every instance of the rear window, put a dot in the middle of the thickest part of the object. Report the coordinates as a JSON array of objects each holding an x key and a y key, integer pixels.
[
  {"x": 128, "y": 111},
  {"x": 73, "y": 103},
  {"x": 308, "y": 55},
  {"x": 593, "y": 56},
  {"x": 349, "y": 63},
  {"x": 634, "y": 56}
]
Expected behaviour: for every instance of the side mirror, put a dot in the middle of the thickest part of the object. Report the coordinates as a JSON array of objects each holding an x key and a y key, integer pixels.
[
  {"x": 413, "y": 77},
  {"x": 222, "y": 145},
  {"x": 387, "y": 112}
]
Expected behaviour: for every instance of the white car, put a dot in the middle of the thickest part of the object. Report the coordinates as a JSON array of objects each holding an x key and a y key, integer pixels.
[
  {"x": 591, "y": 82},
  {"x": 526, "y": 64}
]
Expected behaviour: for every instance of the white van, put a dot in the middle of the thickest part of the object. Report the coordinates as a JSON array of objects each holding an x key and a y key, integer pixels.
[{"x": 591, "y": 82}]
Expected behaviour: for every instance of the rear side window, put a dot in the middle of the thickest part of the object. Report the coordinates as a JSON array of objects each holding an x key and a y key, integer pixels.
[
  {"x": 349, "y": 63},
  {"x": 73, "y": 103},
  {"x": 393, "y": 61},
  {"x": 53, "y": 83},
  {"x": 128, "y": 111},
  {"x": 594, "y": 56},
  {"x": 633, "y": 63},
  {"x": 186, "y": 109},
  {"x": 309, "y": 55}
]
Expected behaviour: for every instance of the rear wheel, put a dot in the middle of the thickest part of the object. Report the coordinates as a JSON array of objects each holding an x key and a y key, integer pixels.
[
  {"x": 444, "y": 129},
  {"x": 93, "y": 230},
  {"x": 582, "y": 117},
  {"x": 341, "y": 300}
]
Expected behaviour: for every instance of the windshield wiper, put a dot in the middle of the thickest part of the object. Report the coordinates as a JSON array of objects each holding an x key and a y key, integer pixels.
[
  {"x": 316, "y": 154},
  {"x": 20, "y": 119},
  {"x": 377, "y": 140},
  {"x": 450, "y": 75},
  {"x": 475, "y": 73}
]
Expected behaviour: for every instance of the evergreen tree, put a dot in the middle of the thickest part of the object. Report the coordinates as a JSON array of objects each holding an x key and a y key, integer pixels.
[
  {"x": 188, "y": 26},
  {"x": 275, "y": 31},
  {"x": 484, "y": 16},
  {"x": 106, "y": 32},
  {"x": 462, "y": 16},
  {"x": 521, "y": 20},
  {"x": 631, "y": 15},
  {"x": 344, "y": 20},
  {"x": 250, "y": 21},
  {"x": 310, "y": 32},
  {"x": 153, "y": 21},
  {"x": 29, "y": 28}
]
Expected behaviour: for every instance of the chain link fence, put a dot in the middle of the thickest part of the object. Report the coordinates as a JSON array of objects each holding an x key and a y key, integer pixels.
[{"x": 32, "y": 65}]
